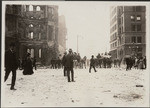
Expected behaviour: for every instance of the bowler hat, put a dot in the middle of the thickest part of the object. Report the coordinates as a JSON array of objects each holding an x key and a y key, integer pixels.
[{"x": 70, "y": 50}]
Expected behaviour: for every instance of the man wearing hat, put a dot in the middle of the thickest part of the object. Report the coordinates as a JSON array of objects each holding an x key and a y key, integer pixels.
[
  {"x": 11, "y": 65},
  {"x": 64, "y": 63},
  {"x": 92, "y": 64},
  {"x": 69, "y": 66}
]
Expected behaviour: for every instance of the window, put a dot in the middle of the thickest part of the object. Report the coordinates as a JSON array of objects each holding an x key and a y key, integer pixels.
[
  {"x": 133, "y": 39},
  {"x": 31, "y": 25},
  {"x": 139, "y": 49},
  {"x": 39, "y": 53},
  {"x": 139, "y": 39},
  {"x": 38, "y": 8},
  {"x": 138, "y": 18},
  {"x": 132, "y": 18},
  {"x": 30, "y": 8},
  {"x": 28, "y": 51},
  {"x": 25, "y": 8},
  {"x": 139, "y": 27},
  {"x": 138, "y": 8},
  {"x": 133, "y": 27},
  {"x": 133, "y": 8},
  {"x": 31, "y": 35},
  {"x": 39, "y": 36},
  {"x": 32, "y": 53}
]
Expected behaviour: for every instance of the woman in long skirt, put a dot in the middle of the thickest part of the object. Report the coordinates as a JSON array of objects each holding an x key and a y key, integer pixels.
[{"x": 28, "y": 68}]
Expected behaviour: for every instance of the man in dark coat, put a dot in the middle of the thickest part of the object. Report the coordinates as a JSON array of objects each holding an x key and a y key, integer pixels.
[
  {"x": 11, "y": 64},
  {"x": 92, "y": 64},
  {"x": 128, "y": 64},
  {"x": 69, "y": 65},
  {"x": 64, "y": 63}
]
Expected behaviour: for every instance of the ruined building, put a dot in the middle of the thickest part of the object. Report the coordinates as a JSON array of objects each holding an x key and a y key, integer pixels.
[{"x": 34, "y": 29}]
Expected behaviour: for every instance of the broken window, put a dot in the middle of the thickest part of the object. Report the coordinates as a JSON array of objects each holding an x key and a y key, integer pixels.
[
  {"x": 30, "y": 8},
  {"x": 139, "y": 39},
  {"x": 31, "y": 36},
  {"x": 138, "y": 18},
  {"x": 38, "y": 8},
  {"x": 40, "y": 53},
  {"x": 32, "y": 53},
  {"x": 31, "y": 25},
  {"x": 132, "y": 17}
]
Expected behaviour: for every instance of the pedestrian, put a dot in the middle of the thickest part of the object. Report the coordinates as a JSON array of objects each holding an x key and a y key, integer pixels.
[
  {"x": 19, "y": 64},
  {"x": 64, "y": 63},
  {"x": 52, "y": 63},
  {"x": 127, "y": 63},
  {"x": 115, "y": 63},
  {"x": 141, "y": 63},
  {"x": 144, "y": 60},
  {"x": 11, "y": 64},
  {"x": 34, "y": 63},
  {"x": 69, "y": 66},
  {"x": 28, "y": 68},
  {"x": 92, "y": 64}
]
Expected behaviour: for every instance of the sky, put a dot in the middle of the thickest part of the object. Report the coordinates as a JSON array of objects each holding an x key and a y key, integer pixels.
[{"x": 90, "y": 22}]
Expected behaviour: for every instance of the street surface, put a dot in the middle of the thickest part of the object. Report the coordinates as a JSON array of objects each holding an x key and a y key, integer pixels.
[{"x": 107, "y": 87}]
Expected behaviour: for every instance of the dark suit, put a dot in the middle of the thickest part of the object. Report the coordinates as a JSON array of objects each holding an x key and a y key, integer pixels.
[
  {"x": 10, "y": 65},
  {"x": 92, "y": 64},
  {"x": 64, "y": 64},
  {"x": 69, "y": 66}
]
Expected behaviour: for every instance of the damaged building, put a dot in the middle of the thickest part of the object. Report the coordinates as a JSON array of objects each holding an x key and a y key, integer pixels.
[{"x": 34, "y": 29}]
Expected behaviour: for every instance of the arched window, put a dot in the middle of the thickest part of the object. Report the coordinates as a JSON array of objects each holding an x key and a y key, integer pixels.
[
  {"x": 32, "y": 53},
  {"x": 31, "y": 25},
  {"x": 40, "y": 53},
  {"x": 39, "y": 36},
  {"x": 25, "y": 8},
  {"x": 28, "y": 51},
  {"x": 31, "y": 36},
  {"x": 38, "y": 8},
  {"x": 30, "y": 8}
]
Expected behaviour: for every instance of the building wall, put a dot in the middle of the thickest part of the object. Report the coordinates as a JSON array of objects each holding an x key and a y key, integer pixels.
[
  {"x": 36, "y": 28},
  {"x": 131, "y": 30}
]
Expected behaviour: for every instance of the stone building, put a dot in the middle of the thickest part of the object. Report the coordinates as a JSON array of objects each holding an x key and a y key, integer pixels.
[
  {"x": 37, "y": 31},
  {"x": 62, "y": 34},
  {"x": 127, "y": 31}
]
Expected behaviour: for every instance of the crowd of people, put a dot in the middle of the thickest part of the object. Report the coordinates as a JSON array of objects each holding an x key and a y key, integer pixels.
[{"x": 68, "y": 62}]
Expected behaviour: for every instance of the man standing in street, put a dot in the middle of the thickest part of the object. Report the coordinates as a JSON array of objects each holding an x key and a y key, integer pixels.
[
  {"x": 92, "y": 64},
  {"x": 69, "y": 66},
  {"x": 64, "y": 63},
  {"x": 11, "y": 64}
]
